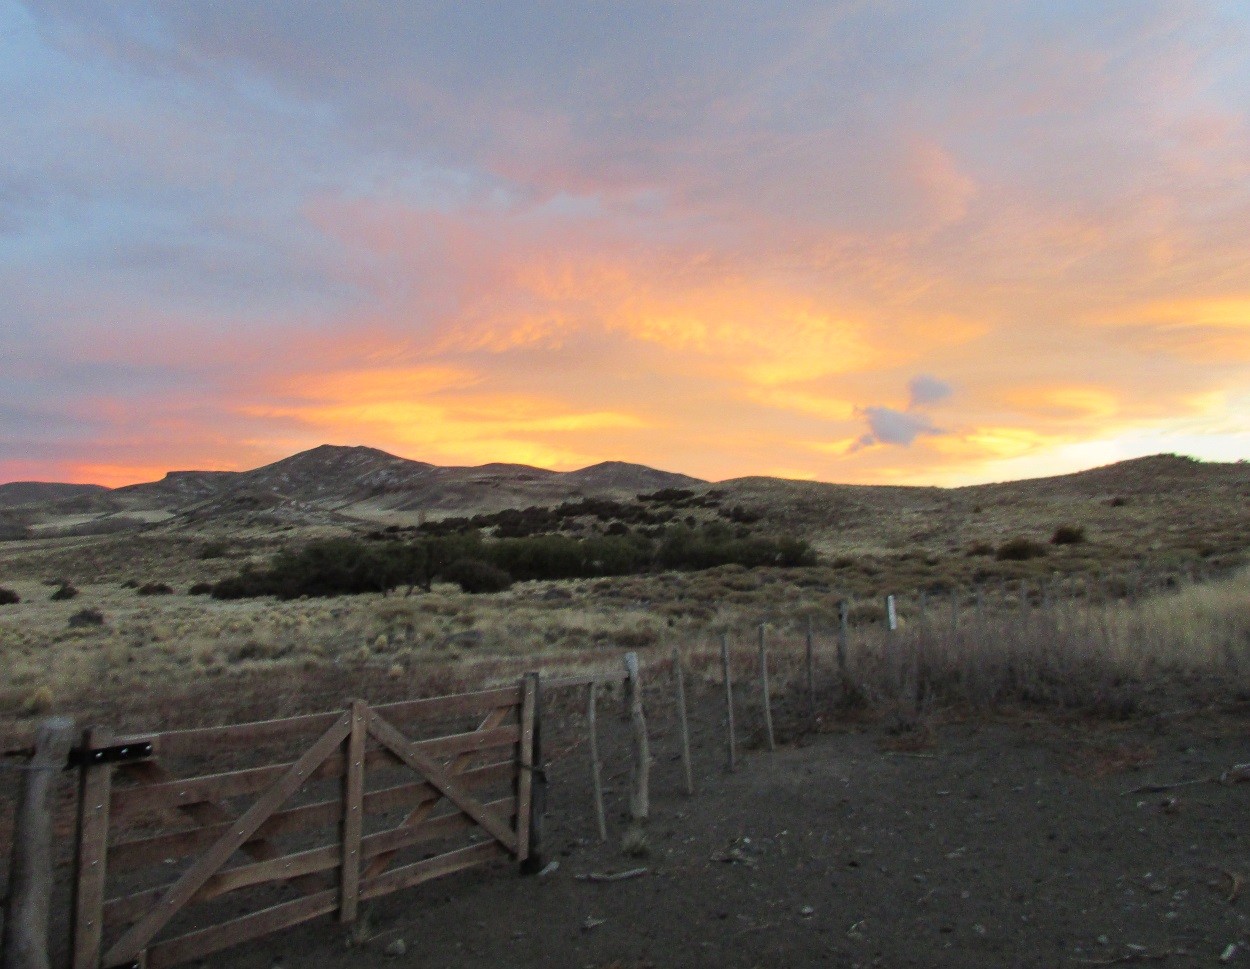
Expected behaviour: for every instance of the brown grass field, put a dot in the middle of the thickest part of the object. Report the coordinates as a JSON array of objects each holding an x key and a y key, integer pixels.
[{"x": 1063, "y": 675}]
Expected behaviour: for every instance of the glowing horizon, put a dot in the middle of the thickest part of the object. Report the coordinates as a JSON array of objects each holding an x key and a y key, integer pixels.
[{"x": 915, "y": 244}]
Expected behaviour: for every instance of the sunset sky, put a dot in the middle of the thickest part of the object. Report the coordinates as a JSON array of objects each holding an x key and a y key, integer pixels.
[{"x": 880, "y": 242}]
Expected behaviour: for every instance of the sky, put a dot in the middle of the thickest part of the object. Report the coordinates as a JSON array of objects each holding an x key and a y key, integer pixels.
[{"x": 876, "y": 242}]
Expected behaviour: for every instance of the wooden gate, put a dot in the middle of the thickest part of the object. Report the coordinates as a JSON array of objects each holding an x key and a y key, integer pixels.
[{"x": 172, "y": 847}]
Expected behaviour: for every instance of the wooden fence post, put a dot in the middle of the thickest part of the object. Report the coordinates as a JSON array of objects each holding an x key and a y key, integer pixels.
[
  {"x": 682, "y": 722},
  {"x": 768, "y": 704},
  {"x": 844, "y": 635},
  {"x": 811, "y": 671},
  {"x": 533, "y": 862},
  {"x": 596, "y": 772},
  {"x": 729, "y": 700},
  {"x": 639, "y": 796},
  {"x": 353, "y": 812},
  {"x": 25, "y": 941},
  {"x": 95, "y": 789}
]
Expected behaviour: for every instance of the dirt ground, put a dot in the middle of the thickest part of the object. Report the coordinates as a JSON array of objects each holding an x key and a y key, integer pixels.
[{"x": 1013, "y": 841}]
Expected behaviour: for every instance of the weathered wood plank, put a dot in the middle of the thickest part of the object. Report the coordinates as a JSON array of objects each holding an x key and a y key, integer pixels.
[
  {"x": 568, "y": 682},
  {"x": 199, "y": 740},
  {"x": 214, "y": 787},
  {"x": 305, "y": 863},
  {"x": 765, "y": 692},
  {"x": 353, "y": 813},
  {"x": 416, "y": 758},
  {"x": 24, "y": 944},
  {"x": 92, "y": 852},
  {"x": 442, "y": 706},
  {"x": 457, "y": 768},
  {"x": 200, "y": 943},
  {"x": 683, "y": 724},
  {"x": 525, "y": 779},
  {"x": 127, "y": 908},
  {"x": 145, "y": 852},
  {"x": 423, "y": 871},
  {"x": 386, "y": 844},
  {"x": 135, "y": 939},
  {"x": 596, "y": 770},
  {"x": 208, "y": 813}
]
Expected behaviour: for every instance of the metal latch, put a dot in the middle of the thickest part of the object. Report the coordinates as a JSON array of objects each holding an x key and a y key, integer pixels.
[{"x": 118, "y": 754}]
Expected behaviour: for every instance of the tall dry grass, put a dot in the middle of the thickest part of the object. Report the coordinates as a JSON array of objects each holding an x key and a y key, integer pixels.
[{"x": 1081, "y": 654}]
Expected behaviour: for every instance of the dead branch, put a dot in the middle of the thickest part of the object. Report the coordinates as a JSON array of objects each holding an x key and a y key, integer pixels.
[{"x": 614, "y": 876}]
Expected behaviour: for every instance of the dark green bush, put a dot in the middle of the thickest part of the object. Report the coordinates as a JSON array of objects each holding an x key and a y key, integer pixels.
[
  {"x": 1068, "y": 535},
  {"x": 476, "y": 576},
  {"x": 84, "y": 618},
  {"x": 155, "y": 589},
  {"x": 64, "y": 593},
  {"x": 1019, "y": 549},
  {"x": 8, "y": 597},
  {"x": 200, "y": 589},
  {"x": 345, "y": 566}
]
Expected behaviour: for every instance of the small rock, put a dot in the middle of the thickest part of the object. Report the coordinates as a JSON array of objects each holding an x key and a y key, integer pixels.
[
  {"x": 396, "y": 949},
  {"x": 807, "y": 911},
  {"x": 592, "y": 923},
  {"x": 1229, "y": 951},
  {"x": 551, "y": 868}
]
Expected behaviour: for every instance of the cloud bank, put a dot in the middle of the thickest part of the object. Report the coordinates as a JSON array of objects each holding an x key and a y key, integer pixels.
[{"x": 699, "y": 237}]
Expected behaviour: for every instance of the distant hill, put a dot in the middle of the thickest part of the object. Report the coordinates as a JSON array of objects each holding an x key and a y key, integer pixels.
[
  {"x": 1153, "y": 515},
  {"x": 16, "y": 494},
  {"x": 335, "y": 484}
]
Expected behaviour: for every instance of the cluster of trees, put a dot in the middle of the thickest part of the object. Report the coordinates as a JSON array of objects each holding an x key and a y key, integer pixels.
[{"x": 344, "y": 566}]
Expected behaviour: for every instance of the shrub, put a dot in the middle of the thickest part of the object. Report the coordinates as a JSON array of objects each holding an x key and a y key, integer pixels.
[
  {"x": 1019, "y": 549},
  {"x": 155, "y": 589},
  {"x": 214, "y": 550},
  {"x": 64, "y": 593},
  {"x": 8, "y": 597},
  {"x": 476, "y": 576},
  {"x": 980, "y": 548},
  {"x": 200, "y": 589},
  {"x": 1068, "y": 535},
  {"x": 40, "y": 701},
  {"x": 85, "y": 618}
]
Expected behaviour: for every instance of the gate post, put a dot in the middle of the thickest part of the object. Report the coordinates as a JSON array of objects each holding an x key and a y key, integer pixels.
[
  {"x": 353, "y": 812},
  {"x": 25, "y": 942},
  {"x": 532, "y": 764},
  {"x": 95, "y": 789}
]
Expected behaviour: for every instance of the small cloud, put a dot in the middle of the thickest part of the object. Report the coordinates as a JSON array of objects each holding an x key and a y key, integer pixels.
[
  {"x": 925, "y": 390},
  {"x": 886, "y": 425},
  {"x": 889, "y": 426}
]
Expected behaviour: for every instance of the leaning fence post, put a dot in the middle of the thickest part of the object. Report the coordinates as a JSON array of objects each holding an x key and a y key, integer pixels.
[
  {"x": 682, "y": 722},
  {"x": 596, "y": 772},
  {"x": 639, "y": 795},
  {"x": 25, "y": 941},
  {"x": 768, "y": 704},
  {"x": 729, "y": 700}
]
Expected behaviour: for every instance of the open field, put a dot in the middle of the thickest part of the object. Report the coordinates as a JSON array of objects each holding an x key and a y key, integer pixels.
[{"x": 937, "y": 809}]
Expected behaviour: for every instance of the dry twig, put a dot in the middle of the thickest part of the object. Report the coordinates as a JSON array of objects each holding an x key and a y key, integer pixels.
[{"x": 615, "y": 876}]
